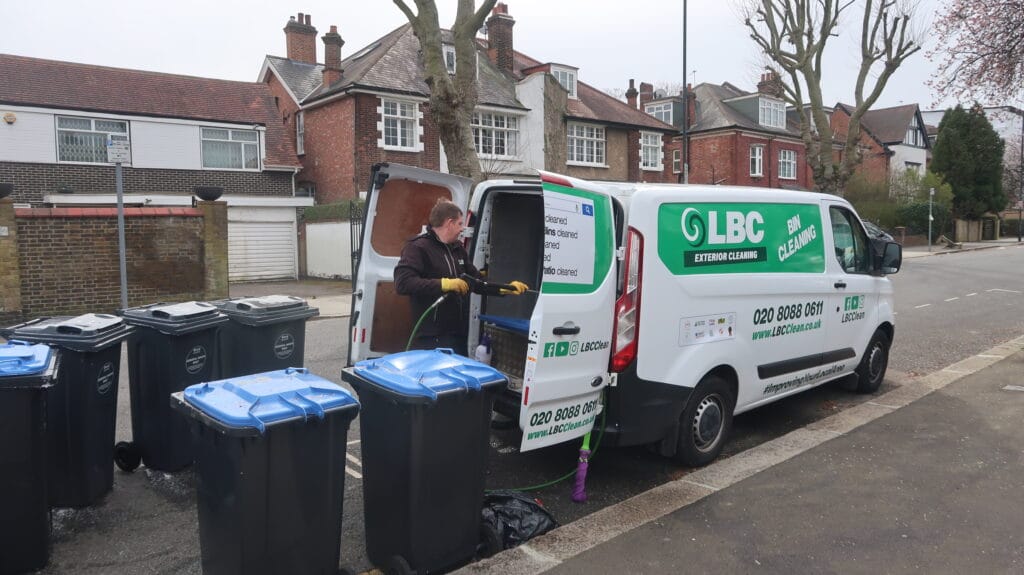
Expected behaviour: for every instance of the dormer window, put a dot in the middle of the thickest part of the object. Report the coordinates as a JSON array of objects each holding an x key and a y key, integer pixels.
[
  {"x": 661, "y": 111},
  {"x": 567, "y": 78},
  {"x": 772, "y": 114},
  {"x": 449, "y": 57},
  {"x": 914, "y": 136}
]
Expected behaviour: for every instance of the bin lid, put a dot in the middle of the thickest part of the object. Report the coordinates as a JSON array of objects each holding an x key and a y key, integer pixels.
[
  {"x": 427, "y": 373},
  {"x": 258, "y": 400},
  {"x": 87, "y": 332},
  {"x": 20, "y": 358},
  {"x": 266, "y": 309},
  {"x": 175, "y": 318}
]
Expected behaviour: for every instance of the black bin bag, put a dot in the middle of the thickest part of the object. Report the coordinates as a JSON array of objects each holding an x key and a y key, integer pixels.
[{"x": 516, "y": 517}]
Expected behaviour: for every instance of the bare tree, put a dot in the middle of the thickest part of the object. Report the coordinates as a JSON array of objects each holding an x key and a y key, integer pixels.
[
  {"x": 980, "y": 49},
  {"x": 452, "y": 100},
  {"x": 794, "y": 34}
]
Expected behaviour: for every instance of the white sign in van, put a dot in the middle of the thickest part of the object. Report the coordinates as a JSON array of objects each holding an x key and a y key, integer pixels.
[{"x": 568, "y": 239}]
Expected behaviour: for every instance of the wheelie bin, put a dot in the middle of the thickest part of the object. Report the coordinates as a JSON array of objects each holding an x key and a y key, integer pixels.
[
  {"x": 174, "y": 346},
  {"x": 424, "y": 431},
  {"x": 82, "y": 406},
  {"x": 27, "y": 373},
  {"x": 270, "y": 471},
  {"x": 265, "y": 334}
]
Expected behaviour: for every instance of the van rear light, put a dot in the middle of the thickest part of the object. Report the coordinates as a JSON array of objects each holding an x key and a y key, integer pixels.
[{"x": 627, "y": 307}]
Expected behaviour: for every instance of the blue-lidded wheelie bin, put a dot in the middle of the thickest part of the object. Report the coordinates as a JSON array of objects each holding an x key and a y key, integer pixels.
[
  {"x": 270, "y": 471},
  {"x": 424, "y": 429},
  {"x": 82, "y": 406},
  {"x": 265, "y": 334},
  {"x": 174, "y": 345},
  {"x": 27, "y": 373}
]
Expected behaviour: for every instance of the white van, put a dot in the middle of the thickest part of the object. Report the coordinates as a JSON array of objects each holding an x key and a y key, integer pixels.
[{"x": 681, "y": 305}]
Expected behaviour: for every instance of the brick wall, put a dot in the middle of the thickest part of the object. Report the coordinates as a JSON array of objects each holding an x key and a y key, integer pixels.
[
  {"x": 725, "y": 159},
  {"x": 874, "y": 164},
  {"x": 68, "y": 258},
  {"x": 367, "y": 153},
  {"x": 33, "y": 181}
]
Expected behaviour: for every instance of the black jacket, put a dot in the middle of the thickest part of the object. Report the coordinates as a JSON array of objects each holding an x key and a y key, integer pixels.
[{"x": 425, "y": 260}]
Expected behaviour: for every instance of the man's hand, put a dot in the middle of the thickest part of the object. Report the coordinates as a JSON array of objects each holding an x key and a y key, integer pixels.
[
  {"x": 455, "y": 285},
  {"x": 518, "y": 288}
]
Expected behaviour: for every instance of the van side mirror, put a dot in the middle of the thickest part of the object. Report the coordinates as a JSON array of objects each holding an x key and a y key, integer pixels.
[{"x": 889, "y": 258}]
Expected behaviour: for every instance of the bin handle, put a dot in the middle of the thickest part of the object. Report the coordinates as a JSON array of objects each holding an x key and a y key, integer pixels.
[{"x": 291, "y": 370}]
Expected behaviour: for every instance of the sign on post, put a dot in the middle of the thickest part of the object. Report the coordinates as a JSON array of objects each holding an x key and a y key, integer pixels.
[{"x": 118, "y": 152}]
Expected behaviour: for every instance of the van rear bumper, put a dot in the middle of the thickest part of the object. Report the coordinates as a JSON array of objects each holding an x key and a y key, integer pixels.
[{"x": 641, "y": 411}]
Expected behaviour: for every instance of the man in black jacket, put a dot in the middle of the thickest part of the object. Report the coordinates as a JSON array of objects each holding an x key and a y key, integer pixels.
[{"x": 430, "y": 266}]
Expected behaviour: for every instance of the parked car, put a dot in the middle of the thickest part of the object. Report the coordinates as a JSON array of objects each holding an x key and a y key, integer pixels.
[{"x": 875, "y": 232}]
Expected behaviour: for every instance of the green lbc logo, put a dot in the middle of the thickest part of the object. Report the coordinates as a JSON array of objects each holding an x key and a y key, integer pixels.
[{"x": 854, "y": 302}]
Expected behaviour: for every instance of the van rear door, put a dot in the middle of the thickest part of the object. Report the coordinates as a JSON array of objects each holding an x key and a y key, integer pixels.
[
  {"x": 571, "y": 326},
  {"x": 397, "y": 207}
]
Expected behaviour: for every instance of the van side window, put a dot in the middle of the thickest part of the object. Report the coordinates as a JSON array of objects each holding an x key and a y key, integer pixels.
[{"x": 851, "y": 243}]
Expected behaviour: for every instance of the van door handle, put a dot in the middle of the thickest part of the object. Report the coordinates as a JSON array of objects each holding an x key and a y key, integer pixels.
[
  {"x": 563, "y": 330},
  {"x": 839, "y": 284}
]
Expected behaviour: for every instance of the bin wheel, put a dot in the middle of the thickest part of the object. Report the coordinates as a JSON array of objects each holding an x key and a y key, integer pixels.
[
  {"x": 397, "y": 565},
  {"x": 490, "y": 542},
  {"x": 127, "y": 456}
]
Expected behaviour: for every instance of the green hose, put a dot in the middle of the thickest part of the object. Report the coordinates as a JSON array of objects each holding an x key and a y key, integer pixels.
[
  {"x": 416, "y": 328},
  {"x": 572, "y": 473}
]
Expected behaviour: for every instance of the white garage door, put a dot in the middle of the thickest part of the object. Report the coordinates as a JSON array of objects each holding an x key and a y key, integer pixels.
[{"x": 261, "y": 244}]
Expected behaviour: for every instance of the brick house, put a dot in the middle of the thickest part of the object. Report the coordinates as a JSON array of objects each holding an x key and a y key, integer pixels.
[
  {"x": 181, "y": 131},
  {"x": 892, "y": 139},
  {"x": 736, "y": 137},
  {"x": 346, "y": 115}
]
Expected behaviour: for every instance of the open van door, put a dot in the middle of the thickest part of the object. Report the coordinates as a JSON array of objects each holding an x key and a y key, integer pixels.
[
  {"x": 571, "y": 326},
  {"x": 397, "y": 208}
]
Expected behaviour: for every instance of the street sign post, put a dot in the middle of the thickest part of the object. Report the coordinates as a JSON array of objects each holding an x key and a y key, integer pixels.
[{"x": 118, "y": 152}]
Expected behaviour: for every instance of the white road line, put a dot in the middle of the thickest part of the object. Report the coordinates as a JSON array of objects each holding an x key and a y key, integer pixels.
[
  {"x": 953, "y": 299},
  {"x": 922, "y": 305},
  {"x": 353, "y": 459},
  {"x": 353, "y": 442},
  {"x": 972, "y": 294},
  {"x": 1014, "y": 388},
  {"x": 1005, "y": 290},
  {"x": 354, "y": 473}
]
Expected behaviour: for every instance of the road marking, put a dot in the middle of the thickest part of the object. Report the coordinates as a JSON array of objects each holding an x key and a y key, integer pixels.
[
  {"x": 922, "y": 305},
  {"x": 1005, "y": 290},
  {"x": 353, "y": 459},
  {"x": 972, "y": 294},
  {"x": 991, "y": 356},
  {"x": 354, "y": 473},
  {"x": 1014, "y": 388},
  {"x": 353, "y": 442},
  {"x": 953, "y": 299}
]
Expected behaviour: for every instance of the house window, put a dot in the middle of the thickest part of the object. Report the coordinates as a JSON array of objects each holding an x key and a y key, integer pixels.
[
  {"x": 300, "y": 133},
  {"x": 650, "y": 151},
  {"x": 399, "y": 124},
  {"x": 772, "y": 113},
  {"x": 567, "y": 78},
  {"x": 677, "y": 161},
  {"x": 661, "y": 111},
  {"x": 495, "y": 134},
  {"x": 586, "y": 144},
  {"x": 449, "y": 57},
  {"x": 85, "y": 139},
  {"x": 914, "y": 137},
  {"x": 787, "y": 164},
  {"x": 230, "y": 149},
  {"x": 757, "y": 161}
]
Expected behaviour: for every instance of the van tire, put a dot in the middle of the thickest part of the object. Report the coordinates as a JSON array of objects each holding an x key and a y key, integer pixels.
[
  {"x": 871, "y": 370},
  {"x": 705, "y": 423}
]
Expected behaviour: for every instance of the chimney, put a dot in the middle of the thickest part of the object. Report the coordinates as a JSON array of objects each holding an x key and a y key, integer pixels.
[
  {"x": 770, "y": 84},
  {"x": 300, "y": 36},
  {"x": 691, "y": 106},
  {"x": 646, "y": 93},
  {"x": 499, "y": 38},
  {"x": 631, "y": 95},
  {"x": 332, "y": 56}
]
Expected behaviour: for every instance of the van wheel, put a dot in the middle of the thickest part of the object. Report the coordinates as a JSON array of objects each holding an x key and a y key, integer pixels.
[
  {"x": 705, "y": 423},
  {"x": 871, "y": 370}
]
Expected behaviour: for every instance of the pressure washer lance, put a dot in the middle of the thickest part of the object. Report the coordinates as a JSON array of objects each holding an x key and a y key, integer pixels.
[{"x": 489, "y": 289}]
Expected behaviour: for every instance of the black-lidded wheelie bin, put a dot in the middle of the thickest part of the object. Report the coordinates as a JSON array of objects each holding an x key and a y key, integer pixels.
[
  {"x": 27, "y": 373},
  {"x": 424, "y": 430},
  {"x": 82, "y": 406},
  {"x": 265, "y": 334},
  {"x": 270, "y": 471},
  {"x": 174, "y": 345}
]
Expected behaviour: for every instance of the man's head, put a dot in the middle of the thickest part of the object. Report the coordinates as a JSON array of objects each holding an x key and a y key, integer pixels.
[{"x": 446, "y": 219}]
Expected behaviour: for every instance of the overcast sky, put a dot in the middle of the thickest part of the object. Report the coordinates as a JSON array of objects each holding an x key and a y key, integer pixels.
[{"x": 610, "y": 41}]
